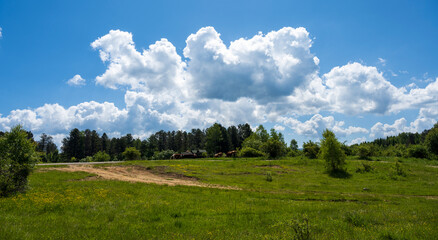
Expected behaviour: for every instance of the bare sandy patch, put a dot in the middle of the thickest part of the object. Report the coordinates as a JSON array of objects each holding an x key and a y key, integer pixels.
[{"x": 139, "y": 174}]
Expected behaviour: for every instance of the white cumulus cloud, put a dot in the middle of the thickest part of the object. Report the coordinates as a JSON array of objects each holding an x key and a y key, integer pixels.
[
  {"x": 156, "y": 69},
  {"x": 317, "y": 124},
  {"x": 263, "y": 67},
  {"x": 77, "y": 80},
  {"x": 356, "y": 89}
]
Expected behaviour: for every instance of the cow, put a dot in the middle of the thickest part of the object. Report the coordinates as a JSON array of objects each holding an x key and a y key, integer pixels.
[
  {"x": 176, "y": 156},
  {"x": 232, "y": 153},
  {"x": 219, "y": 154}
]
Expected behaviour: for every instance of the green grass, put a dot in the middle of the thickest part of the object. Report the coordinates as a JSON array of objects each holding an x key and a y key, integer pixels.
[{"x": 372, "y": 205}]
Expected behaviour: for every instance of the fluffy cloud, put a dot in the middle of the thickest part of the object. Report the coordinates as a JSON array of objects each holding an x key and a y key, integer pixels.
[
  {"x": 419, "y": 98},
  {"x": 317, "y": 124},
  {"x": 357, "y": 89},
  {"x": 157, "y": 69},
  {"x": 1, "y": 32},
  {"x": 380, "y": 130},
  {"x": 53, "y": 118},
  {"x": 263, "y": 67},
  {"x": 77, "y": 80}
]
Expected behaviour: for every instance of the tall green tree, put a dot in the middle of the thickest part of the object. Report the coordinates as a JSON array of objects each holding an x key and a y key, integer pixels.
[
  {"x": 17, "y": 159},
  {"x": 332, "y": 152},
  {"x": 105, "y": 143},
  {"x": 262, "y": 134},
  {"x": 216, "y": 139},
  {"x": 275, "y": 146},
  {"x": 233, "y": 137},
  {"x": 244, "y": 131},
  {"x": 46, "y": 144},
  {"x": 293, "y": 145},
  {"x": 73, "y": 145},
  {"x": 431, "y": 140}
]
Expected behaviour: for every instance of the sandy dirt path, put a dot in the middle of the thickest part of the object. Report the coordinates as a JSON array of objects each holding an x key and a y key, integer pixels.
[{"x": 138, "y": 174}]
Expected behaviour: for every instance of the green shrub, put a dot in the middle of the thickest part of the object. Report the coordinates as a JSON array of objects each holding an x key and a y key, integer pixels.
[
  {"x": 292, "y": 153},
  {"x": 86, "y": 159},
  {"x": 163, "y": 155},
  {"x": 131, "y": 153},
  {"x": 364, "y": 152},
  {"x": 274, "y": 148},
  {"x": 101, "y": 157},
  {"x": 365, "y": 168},
  {"x": 397, "y": 171},
  {"x": 250, "y": 152},
  {"x": 52, "y": 157},
  {"x": 311, "y": 149},
  {"x": 17, "y": 159},
  {"x": 417, "y": 151},
  {"x": 269, "y": 177},
  {"x": 355, "y": 218},
  {"x": 301, "y": 229}
]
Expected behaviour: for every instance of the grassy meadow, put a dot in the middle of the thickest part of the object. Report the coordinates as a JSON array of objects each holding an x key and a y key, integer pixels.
[{"x": 378, "y": 200}]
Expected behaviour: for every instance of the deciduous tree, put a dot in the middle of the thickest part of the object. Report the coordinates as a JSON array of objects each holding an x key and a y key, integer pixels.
[
  {"x": 17, "y": 159},
  {"x": 332, "y": 152}
]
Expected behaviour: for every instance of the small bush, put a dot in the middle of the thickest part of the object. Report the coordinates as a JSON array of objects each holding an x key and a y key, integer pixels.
[
  {"x": 269, "y": 177},
  {"x": 397, "y": 171},
  {"x": 86, "y": 159},
  {"x": 163, "y": 155},
  {"x": 364, "y": 152},
  {"x": 293, "y": 153},
  {"x": 274, "y": 148},
  {"x": 311, "y": 149},
  {"x": 131, "y": 153},
  {"x": 101, "y": 157},
  {"x": 250, "y": 152},
  {"x": 355, "y": 218},
  {"x": 301, "y": 229},
  {"x": 365, "y": 168},
  {"x": 417, "y": 151}
]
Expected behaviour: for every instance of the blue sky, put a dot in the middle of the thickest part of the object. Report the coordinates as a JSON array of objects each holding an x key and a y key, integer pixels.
[{"x": 367, "y": 52}]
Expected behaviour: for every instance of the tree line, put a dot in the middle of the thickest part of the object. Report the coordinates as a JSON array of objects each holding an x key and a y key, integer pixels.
[
  {"x": 80, "y": 145},
  {"x": 89, "y": 145}
]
